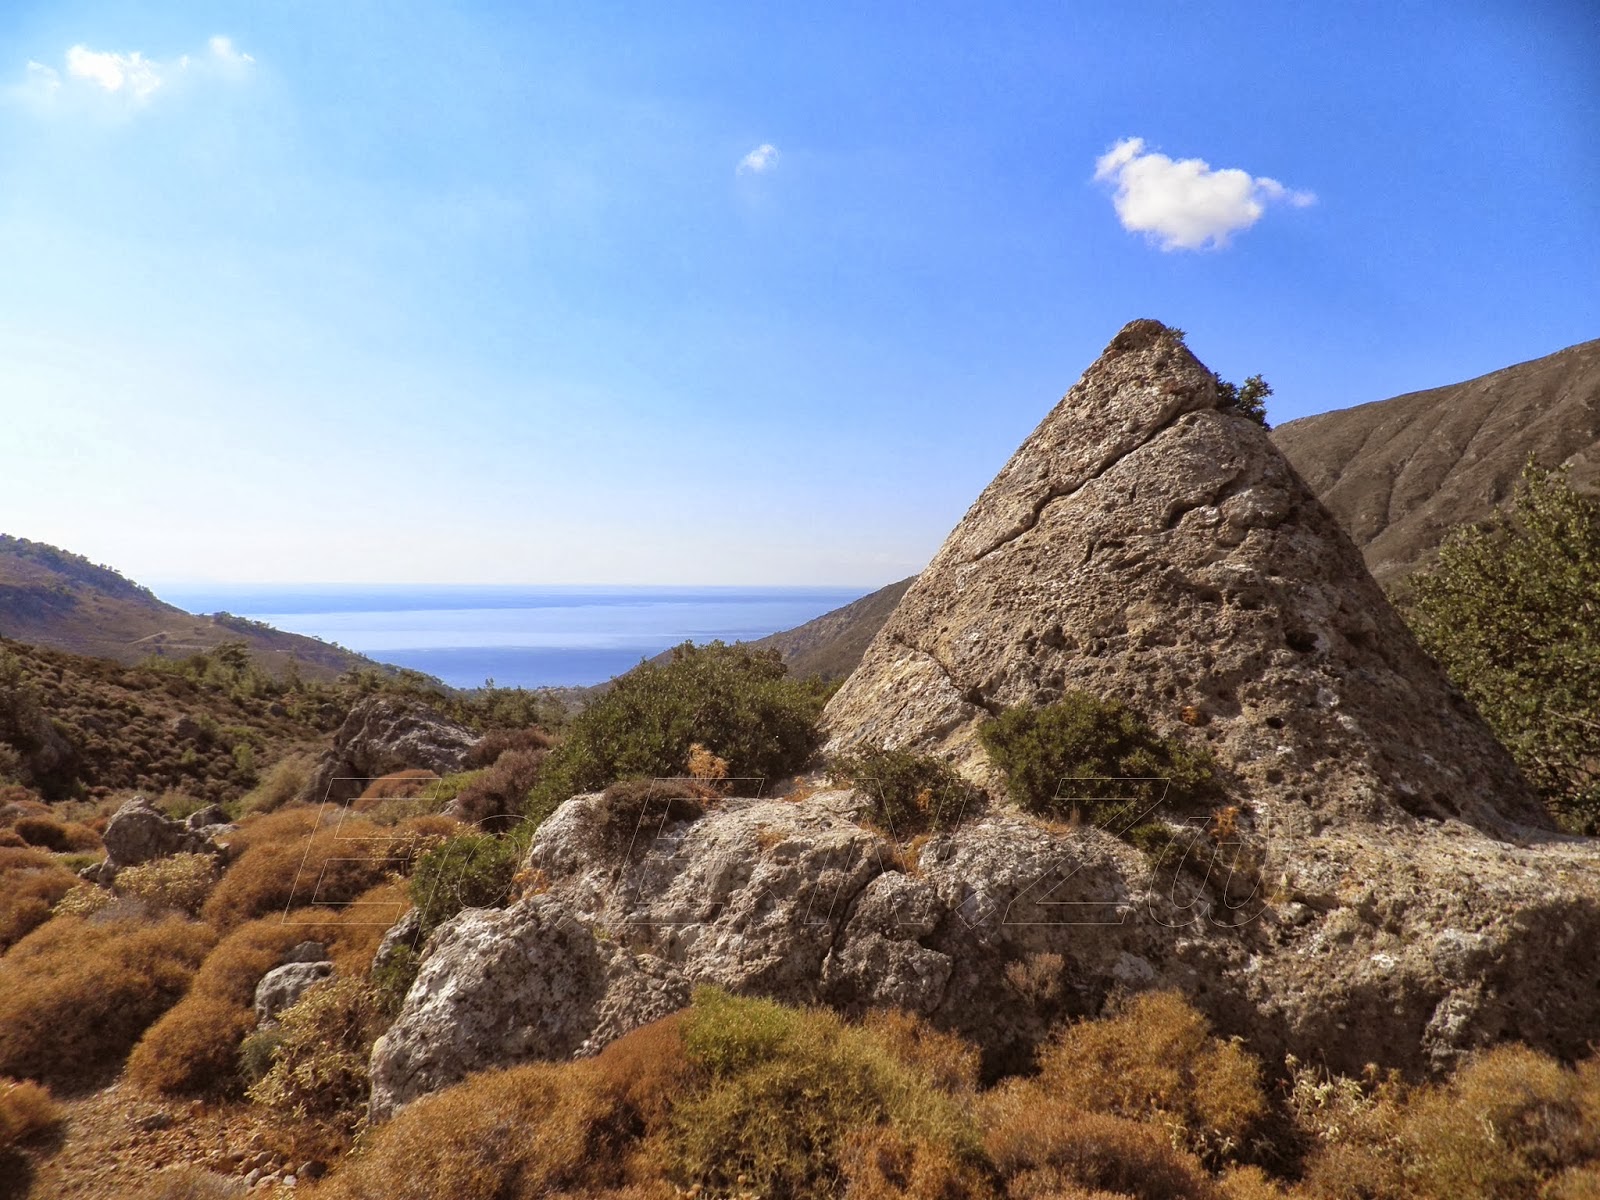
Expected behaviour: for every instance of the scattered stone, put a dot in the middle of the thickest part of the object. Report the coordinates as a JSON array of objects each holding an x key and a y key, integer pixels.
[
  {"x": 204, "y": 818},
  {"x": 306, "y": 952},
  {"x": 139, "y": 832},
  {"x": 282, "y": 986}
]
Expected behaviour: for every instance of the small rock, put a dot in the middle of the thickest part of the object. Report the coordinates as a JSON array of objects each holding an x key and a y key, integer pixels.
[
  {"x": 282, "y": 986},
  {"x": 307, "y": 952},
  {"x": 250, "y": 1179},
  {"x": 311, "y": 1170}
]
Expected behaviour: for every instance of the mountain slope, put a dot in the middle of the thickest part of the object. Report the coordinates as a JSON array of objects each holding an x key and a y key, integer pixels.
[
  {"x": 830, "y": 646},
  {"x": 51, "y": 597},
  {"x": 1400, "y": 474}
]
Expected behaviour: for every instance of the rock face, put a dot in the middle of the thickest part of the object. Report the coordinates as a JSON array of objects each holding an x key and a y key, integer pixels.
[
  {"x": 282, "y": 986},
  {"x": 1393, "y": 893},
  {"x": 1145, "y": 545},
  {"x": 381, "y": 735},
  {"x": 139, "y": 832},
  {"x": 500, "y": 986}
]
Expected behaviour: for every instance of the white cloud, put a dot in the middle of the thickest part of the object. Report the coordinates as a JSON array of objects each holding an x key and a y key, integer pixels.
[
  {"x": 763, "y": 158},
  {"x": 223, "y": 48},
  {"x": 130, "y": 76},
  {"x": 113, "y": 72},
  {"x": 1185, "y": 204}
]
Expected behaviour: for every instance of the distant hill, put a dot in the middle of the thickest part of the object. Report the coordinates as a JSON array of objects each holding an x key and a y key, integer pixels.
[
  {"x": 830, "y": 646},
  {"x": 51, "y": 597},
  {"x": 1400, "y": 474}
]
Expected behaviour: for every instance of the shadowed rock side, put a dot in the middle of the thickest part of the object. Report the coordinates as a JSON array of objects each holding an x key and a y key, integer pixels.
[
  {"x": 1400, "y": 474},
  {"x": 1144, "y": 545}
]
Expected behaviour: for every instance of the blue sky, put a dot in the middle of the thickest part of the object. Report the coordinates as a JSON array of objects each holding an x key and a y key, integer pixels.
[{"x": 724, "y": 294}]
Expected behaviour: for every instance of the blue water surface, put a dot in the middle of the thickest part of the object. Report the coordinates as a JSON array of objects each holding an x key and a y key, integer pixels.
[{"x": 517, "y": 636}]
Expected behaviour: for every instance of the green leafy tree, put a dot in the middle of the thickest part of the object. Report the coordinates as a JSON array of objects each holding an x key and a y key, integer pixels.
[
  {"x": 1251, "y": 399},
  {"x": 1512, "y": 612}
]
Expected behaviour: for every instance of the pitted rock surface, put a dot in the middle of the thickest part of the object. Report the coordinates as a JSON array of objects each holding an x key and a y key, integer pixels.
[
  {"x": 139, "y": 832},
  {"x": 382, "y": 735},
  {"x": 282, "y": 986},
  {"x": 1147, "y": 545}
]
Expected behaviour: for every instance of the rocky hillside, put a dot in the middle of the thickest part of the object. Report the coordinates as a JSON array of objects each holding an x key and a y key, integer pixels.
[
  {"x": 54, "y": 598},
  {"x": 831, "y": 646},
  {"x": 1400, "y": 474}
]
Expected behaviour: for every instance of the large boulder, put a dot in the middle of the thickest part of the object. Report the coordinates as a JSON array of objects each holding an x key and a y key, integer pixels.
[
  {"x": 384, "y": 734},
  {"x": 139, "y": 832},
  {"x": 1390, "y": 891},
  {"x": 1147, "y": 545},
  {"x": 505, "y": 985}
]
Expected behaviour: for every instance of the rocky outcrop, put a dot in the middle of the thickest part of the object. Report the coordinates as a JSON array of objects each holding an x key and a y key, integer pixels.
[
  {"x": 282, "y": 986},
  {"x": 499, "y": 986},
  {"x": 1146, "y": 545},
  {"x": 1348, "y": 949},
  {"x": 1384, "y": 889},
  {"x": 138, "y": 833},
  {"x": 381, "y": 735}
]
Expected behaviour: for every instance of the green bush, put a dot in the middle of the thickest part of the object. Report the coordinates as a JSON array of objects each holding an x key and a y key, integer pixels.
[
  {"x": 471, "y": 870},
  {"x": 909, "y": 792},
  {"x": 1250, "y": 400},
  {"x": 783, "y": 1091},
  {"x": 1512, "y": 612},
  {"x": 1123, "y": 766},
  {"x": 734, "y": 701}
]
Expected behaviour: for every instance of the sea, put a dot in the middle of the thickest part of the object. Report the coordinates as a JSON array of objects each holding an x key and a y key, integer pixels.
[{"x": 514, "y": 636}]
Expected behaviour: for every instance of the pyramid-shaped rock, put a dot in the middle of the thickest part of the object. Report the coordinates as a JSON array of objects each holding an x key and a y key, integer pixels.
[{"x": 1147, "y": 544}]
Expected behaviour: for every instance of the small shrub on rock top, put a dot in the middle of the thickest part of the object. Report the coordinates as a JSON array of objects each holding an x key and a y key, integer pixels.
[
  {"x": 77, "y": 993},
  {"x": 1121, "y": 764},
  {"x": 736, "y": 702},
  {"x": 909, "y": 792}
]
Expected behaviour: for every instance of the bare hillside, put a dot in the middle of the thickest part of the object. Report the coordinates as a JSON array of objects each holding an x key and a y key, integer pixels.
[
  {"x": 51, "y": 597},
  {"x": 1400, "y": 474}
]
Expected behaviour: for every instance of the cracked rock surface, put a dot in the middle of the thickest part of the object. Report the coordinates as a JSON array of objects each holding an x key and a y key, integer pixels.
[{"x": 1147, "y": 545}]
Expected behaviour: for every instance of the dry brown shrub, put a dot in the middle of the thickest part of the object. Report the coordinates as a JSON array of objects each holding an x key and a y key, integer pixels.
[
  {"x": 31, "y": 883},
  {"x": 9, "y": 838},
  {"x": 293, "y": 862},
  {"x": 194, "y": 1049},
  {"x": 1251, "y": 1183},
  {"x": 26, "y": 1111},
  {"x": 414, "y": 781},
  {"x": 516, "y": 1134},
  {"x": 500, "y": 790},
  {"x": 61, "y": 836},
  {"x": 1509, "y": 1120},
  {"x": 1156, "y": 1060},
  {"x": 1353, "y": 1128},
  {"x": 948, "y": 1061},
  {"x": 1580, "y": 1183},
  {"x": 497, "y": 742},
  {"x": 76, "y": 993},
  {"x": 179, "y": 881},
  {"x": 1043, "y": 1145},
  {"x": 885, "y": 1164}
]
